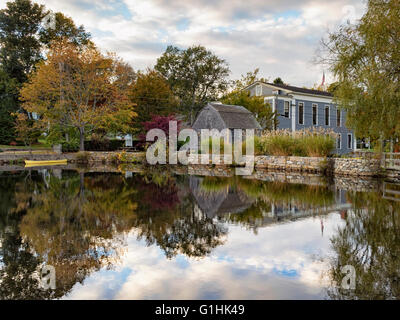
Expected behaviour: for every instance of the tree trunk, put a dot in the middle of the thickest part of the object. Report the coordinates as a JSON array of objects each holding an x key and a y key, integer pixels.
[{"x": 82, "y": 139}]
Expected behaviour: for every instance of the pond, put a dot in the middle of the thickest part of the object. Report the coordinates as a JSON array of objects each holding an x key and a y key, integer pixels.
[{"x": 156, "y": 234}]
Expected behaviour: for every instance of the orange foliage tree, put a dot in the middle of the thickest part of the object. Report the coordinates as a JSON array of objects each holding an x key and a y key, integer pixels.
[{"x": 82, "y": 88}]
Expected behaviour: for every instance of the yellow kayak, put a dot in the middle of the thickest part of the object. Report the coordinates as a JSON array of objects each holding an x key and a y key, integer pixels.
[{"x": 32, "y": 163}]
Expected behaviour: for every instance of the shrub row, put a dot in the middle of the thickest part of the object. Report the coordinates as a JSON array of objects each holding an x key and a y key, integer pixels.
[{"x": 93, "y": 145}]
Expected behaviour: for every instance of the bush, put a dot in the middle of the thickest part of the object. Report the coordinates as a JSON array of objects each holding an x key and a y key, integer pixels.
[
  {"x": 70, "y": 146},
  {"x": 104, "y": 145}
]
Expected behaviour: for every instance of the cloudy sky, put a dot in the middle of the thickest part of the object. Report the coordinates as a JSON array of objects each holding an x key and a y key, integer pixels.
[
  {"x": 278, "y": 36},
  {"x": 247, "y": 266}
]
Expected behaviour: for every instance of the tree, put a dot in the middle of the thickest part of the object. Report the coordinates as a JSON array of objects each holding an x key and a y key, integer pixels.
[
  {"x": 261, "y": 110},
  {"x": 278, "y": 81},
  {"x": 239, "y": 97},
  {"x": 28, "y": 130},
  {"x": 81, "y": 88},
  {"x": 22, "y": 36},
  {"x": 22, "y": 39},
  {"x": 159, "y": 122},
  {"x": 196, "y": 75},
  {"x": 64, "y": 28},
  {"x": 152, "y": 95},
  {"x": 247, "y": 79},
  {"x": 8, "y": 97},
  {"x": 365, "y": 58},
  {"x": 20, "y": 47}
]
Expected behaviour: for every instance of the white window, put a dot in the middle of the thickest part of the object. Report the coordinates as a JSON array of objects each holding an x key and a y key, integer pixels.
[
  {"x": 314, "y": 114},
  {"x": 286, "y": 111},
  {"x": 339, "y": 142},
  {"x": 349, "y": 141},
  {"x": 301, "y": 112},
  {"x": 258, "y": 90},
  {"x": 327, "y": 116},
  {"x": 338, "y": 117}
]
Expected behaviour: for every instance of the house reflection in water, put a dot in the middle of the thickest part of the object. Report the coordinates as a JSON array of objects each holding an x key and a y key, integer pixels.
[{"x": 229, "y": 200}]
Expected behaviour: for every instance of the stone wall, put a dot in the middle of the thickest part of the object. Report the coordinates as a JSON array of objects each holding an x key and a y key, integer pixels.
[
  {"x": 356, "y": 166},
  {"x": 105, "y": 157},
  {"x": 335, "y": 166},
  {"x": 20, "y": 156}
]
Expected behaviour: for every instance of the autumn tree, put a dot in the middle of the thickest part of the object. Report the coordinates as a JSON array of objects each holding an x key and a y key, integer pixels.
[
  {"x": 79, "y": 87},
  {"x": 23, "y": 38},
  {"x": 152, "y": 95},
  {"x": 365, "y": 59},
  {"x": 196, "y": 75},
  {"x": 28, "y": 130}
]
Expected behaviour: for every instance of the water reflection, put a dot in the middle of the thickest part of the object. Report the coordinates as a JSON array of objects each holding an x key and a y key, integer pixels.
[
  {"x": 370, "y": 242},
  {"x": 153, "y": 234}
]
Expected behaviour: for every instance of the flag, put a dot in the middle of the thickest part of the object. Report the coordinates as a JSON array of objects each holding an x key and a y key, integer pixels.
[{"x": 323, "y": 80}]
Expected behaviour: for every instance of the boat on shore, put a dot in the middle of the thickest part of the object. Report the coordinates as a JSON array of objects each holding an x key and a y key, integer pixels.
[{"x": 33, "y": 163}]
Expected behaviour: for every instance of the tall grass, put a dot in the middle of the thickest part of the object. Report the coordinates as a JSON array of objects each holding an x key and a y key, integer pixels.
[{"x": 305, "y": 143}]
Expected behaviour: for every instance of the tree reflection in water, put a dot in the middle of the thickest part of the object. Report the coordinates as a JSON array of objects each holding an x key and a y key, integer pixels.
[
  {"x": 78, "y": 222},
  {"x": 370, "y": 242}
]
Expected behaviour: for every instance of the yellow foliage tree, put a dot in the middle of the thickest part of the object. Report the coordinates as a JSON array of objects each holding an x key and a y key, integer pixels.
[{"x": 80, "y": 87}]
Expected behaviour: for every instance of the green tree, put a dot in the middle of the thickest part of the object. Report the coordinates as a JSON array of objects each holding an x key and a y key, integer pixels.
[
  {"x": 262, "y": 111},
  {"x": 278, "y": 81},
  {"x": 247, "y": 79},
  {"x": 8, "y": 97},
  {"x": 64, "y": 28},
  {"x": 239, "y": 97},
  {"x": 23, "y": 35},
  {"x": 196, "y": 75},
  {"x": 152, "y": 95},
  {"x": 365, "y": 58},
  {"x": 20, "y": 51}
]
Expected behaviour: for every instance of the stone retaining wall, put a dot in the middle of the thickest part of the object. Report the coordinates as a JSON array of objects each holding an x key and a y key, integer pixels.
[
  {"x": 336, "y": 166},
  {"x": 105, "y": 157}
]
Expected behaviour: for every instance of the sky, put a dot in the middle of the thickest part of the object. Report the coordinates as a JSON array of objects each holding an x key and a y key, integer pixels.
[
  {"x": 278, "y": 36},
  {"x": 247, "y": 266}
]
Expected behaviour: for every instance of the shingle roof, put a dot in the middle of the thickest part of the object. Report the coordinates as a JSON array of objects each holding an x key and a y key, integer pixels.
[
  {"x": 300, "y": 90},
  {"x": 236, "y": 117}
]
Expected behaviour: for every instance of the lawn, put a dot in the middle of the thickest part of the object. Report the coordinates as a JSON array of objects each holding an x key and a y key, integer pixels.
[{"x": 39, "y": 146}]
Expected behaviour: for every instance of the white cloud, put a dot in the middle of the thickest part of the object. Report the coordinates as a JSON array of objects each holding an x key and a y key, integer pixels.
[
  {"x": 279, "y": 36},
  {"x": 247, "y": 266}
]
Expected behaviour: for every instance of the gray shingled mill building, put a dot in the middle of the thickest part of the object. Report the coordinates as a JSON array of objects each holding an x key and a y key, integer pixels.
[{"x": 221, "y": 116}]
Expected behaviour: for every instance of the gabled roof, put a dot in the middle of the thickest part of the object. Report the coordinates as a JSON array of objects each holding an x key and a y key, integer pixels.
[
  {"x": 300, "y": 90},
  {"x": 235, "y": 117},
  {"x": 293, "y": 89}
]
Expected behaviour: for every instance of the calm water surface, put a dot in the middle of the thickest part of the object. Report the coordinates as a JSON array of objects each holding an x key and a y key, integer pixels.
[{"x": 156, "y": 235}]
